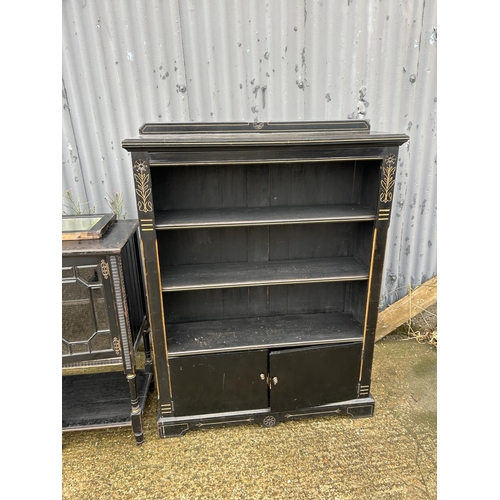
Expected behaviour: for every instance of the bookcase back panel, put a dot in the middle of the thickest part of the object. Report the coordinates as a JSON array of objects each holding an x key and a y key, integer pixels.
[
  {"x": 265, "y": 243},
  {"x": 243, "y": 302},
  {"x": 368, "y": 179},
  {"x": 362, "y": 250},
  {"x": 261, "y": 185},
  {"x": 356, "y": 296}
]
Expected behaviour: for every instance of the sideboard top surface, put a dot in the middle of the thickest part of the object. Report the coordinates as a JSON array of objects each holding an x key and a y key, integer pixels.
[
  {"x": 175, "y": 135},
  {"x": 110, "y": 244}
]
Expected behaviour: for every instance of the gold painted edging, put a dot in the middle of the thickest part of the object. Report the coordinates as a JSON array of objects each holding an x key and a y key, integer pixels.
[
  {"x": 162, "y": 315},
  {"x": 368, "y": 301}
]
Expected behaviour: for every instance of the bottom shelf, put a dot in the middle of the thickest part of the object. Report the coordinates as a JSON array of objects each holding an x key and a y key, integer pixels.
[
  {"x": 243, "y": 334},
  {"x": 100, "y": 400}
]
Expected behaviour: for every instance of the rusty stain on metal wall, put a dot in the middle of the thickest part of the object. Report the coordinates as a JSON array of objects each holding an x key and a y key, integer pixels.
[{"x": 135, "y": 61}]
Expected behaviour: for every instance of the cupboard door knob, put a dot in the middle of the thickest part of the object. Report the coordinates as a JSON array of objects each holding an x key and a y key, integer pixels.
[
  {"x": 275, "y": 380},
  {"x": 262, "y": 376}
]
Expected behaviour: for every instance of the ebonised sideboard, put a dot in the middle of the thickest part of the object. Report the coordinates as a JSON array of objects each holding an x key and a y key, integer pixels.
[
  {"x": 263, "y": 247},
  {"x": 104, "y": 321}
]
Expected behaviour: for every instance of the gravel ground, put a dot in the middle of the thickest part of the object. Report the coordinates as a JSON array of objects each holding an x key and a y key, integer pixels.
[{"x": 390, "y": 455}]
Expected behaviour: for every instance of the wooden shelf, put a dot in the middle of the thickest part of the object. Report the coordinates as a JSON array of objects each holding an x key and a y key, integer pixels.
[
  {"x": 239, "y": 274},
  {"x": 261, "y": 216},
  {"x": 262, "y": 332},
  {"x": 100, "y": 400}
]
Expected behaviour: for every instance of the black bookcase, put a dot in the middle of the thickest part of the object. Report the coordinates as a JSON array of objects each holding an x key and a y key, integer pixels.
[{"x": 263, "y": 249}]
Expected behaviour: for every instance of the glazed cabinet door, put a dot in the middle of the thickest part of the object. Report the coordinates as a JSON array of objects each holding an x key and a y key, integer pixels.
[
  {"x": 314, "y": 376},
  {"x": 88, "y": 321},
  {"x": 216, "y": 383}
]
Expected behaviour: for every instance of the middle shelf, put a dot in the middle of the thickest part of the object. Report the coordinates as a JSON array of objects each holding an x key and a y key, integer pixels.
[
  {"x": 242, "y": 274},
  {"x": 257, "y": 216},
  {"x": 220, "y": 257}
]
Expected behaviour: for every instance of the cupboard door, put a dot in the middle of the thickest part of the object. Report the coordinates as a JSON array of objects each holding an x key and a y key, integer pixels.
[
  {"x": 308, "y": 377},
  {"x": 89, "y": 329},
  {"x": 216, "y": 383}
]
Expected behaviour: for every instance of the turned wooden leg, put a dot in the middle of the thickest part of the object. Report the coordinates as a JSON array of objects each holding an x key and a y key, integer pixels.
[
  {"x": 148, "y": 362},
  {"x": 136, "y": 414}
]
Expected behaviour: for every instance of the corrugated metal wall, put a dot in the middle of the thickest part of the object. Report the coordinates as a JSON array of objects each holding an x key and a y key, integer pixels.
[{"x": 134, "y": 61}]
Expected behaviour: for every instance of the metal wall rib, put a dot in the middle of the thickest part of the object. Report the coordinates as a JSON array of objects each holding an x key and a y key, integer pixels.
[{"x": 136, "y": 61}]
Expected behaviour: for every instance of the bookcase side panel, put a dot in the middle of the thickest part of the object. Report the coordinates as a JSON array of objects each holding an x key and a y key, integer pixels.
[
  {"x": 151, "y": 269},
  {"x": 387, "y": 175}
]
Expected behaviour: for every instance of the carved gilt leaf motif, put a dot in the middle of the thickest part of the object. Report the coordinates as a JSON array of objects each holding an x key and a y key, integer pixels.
[
  {"x": 142, "y": 189},
  {"x": 388, "y": 178}
]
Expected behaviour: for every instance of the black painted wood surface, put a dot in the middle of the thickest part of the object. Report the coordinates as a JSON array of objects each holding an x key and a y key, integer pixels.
[
  {"x": 110, "y": 244},
  {"x": 314, "y": 376},
  {"x": 219, "y": 382},
  {"x": 261, "y": 216},
  {"x": 235, "y": 274}
]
